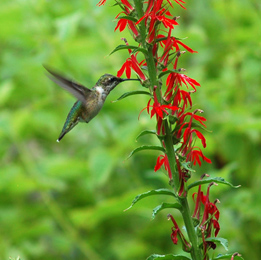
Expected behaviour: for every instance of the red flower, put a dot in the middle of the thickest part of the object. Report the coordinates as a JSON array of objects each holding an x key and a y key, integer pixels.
[
  {"x": 131, "y": 63},
  {"x": 159, "y": 109},
  {"x": 163, "y": 160},
  {"x": 187, "y": 149},
  {"x": 210, "y": 217},
  {"x": 195, "y": 155},
  {"x": 122, "y": 23},
  {"x": 176, "y": 233},
  {"x": 178, "y": 2},
  {"x": 172, "y": 42},
  {"x": 157, "y": 14},
  {"x": 174, "y": 79},
  {"x": 127, "y": 5},
  {"x": 210, "y": 212}
]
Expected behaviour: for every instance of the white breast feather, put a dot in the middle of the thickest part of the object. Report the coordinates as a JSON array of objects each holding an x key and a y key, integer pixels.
[{"x": 101, "y": 96}]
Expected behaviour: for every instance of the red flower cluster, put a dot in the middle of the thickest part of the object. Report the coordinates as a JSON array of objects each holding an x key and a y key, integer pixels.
[
  {"x": 209, "y": 219},
  {"x": 176, "y": 100}
]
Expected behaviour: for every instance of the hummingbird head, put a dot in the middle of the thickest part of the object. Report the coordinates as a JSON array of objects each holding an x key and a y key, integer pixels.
[{"x": 108, "y": 82}]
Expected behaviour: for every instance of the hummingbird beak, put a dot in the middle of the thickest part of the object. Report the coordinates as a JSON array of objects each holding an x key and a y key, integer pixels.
[{"x": 130, "y": 79}]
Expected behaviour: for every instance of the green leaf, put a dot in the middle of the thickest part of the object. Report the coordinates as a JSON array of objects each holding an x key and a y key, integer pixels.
[
  {"x": 168, "y": 257},
  {"x": 216, "y": 179},
  {"x": 220, "y": 240},
  {"x": 146, "y": 132},
  {"x": 186, "y": 165},
  {"x": 227, "y": 256},
  {"x": 131, "y": 93},
  {"x": 165, "y": 38},
  {"x": 147, "y": 147},
  {"x": 165, "y": 206},
  {"x": 132, "y": 47},
  {"x": 167, "y": 72},
  {"x": 194, "y": 125},
  {"x": 128, "y": 18},
  {"x": 150, "y": 193}
]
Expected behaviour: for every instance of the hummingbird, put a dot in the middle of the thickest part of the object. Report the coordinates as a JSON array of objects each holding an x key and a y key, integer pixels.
[{"x": 89, "y": 101}]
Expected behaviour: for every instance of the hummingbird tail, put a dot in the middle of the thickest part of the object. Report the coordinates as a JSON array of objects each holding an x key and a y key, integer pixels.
[
  {"x": 68, "y": 126},
  {"x": 71, "y": 120}
]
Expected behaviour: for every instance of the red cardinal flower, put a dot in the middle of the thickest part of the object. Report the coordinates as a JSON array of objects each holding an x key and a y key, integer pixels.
[
  {"x": 163, "y": 160},
  {"x": 131, "y": 64},
  {"x": 154, "y": 15}
]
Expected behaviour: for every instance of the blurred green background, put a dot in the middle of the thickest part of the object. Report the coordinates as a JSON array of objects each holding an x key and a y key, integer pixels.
[{"x": 66, "y": 200}]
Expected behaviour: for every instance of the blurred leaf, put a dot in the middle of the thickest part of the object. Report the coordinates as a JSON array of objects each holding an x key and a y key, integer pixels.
[
  {"x": 6, "y": 88},
  {"x": 165, "y": 206},
  {"x": 67, "y": 25},
  {"x": 101, "y": 164}
]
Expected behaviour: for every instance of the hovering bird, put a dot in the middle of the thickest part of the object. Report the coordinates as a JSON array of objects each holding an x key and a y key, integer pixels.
[{"x": 89, "y": 101}]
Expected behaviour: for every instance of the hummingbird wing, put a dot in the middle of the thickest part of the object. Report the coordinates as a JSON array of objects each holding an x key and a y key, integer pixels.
[{"x": 77, "y": 90}]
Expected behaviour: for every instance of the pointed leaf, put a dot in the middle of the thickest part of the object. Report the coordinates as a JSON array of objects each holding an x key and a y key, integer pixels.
[
  {"x": 194, "y": 125},
  {"x": 150, "y": 193},
  {"x": 167, "y": 72},
  {"x": 132, "y": 47},
  {"x": 128, "y": 18},
  {"x": 168, "y": 257},
  {"x": 165, "y": 206},
  {"x": 227, "y": 256},
  {"x": 147, "y": 147},
  {"x": 146, "y": 132},
  {"x": 165, "y": 38},
  {"x": 220, "y": 240},
  {"x": 216, "y": 179},
  {"x": 131, "y": 93}
]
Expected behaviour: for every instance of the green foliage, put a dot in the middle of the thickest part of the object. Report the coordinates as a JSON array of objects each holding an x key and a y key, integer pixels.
[
  {"x": 131, "y": 93},
  {"x": 209, "y": 180},
  {"x": 66, "y": 200},
  {"x": 168, "y": 257},
  {"x": 151, "y": 193},
  {"x": 165, "y": 206}
]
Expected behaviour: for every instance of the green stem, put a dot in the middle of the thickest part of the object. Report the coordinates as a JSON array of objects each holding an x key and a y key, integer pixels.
[
  {"x": 152, "y": 71},
  {"x": 139, "y": 9},
  {"x": 175, "y": 182},
  {"x": 185, "y": 211},
  {"x": 171, "y": 156}
]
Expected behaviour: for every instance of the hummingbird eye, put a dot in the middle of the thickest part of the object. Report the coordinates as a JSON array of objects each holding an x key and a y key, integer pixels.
[{"x": 110, "y": 80}]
